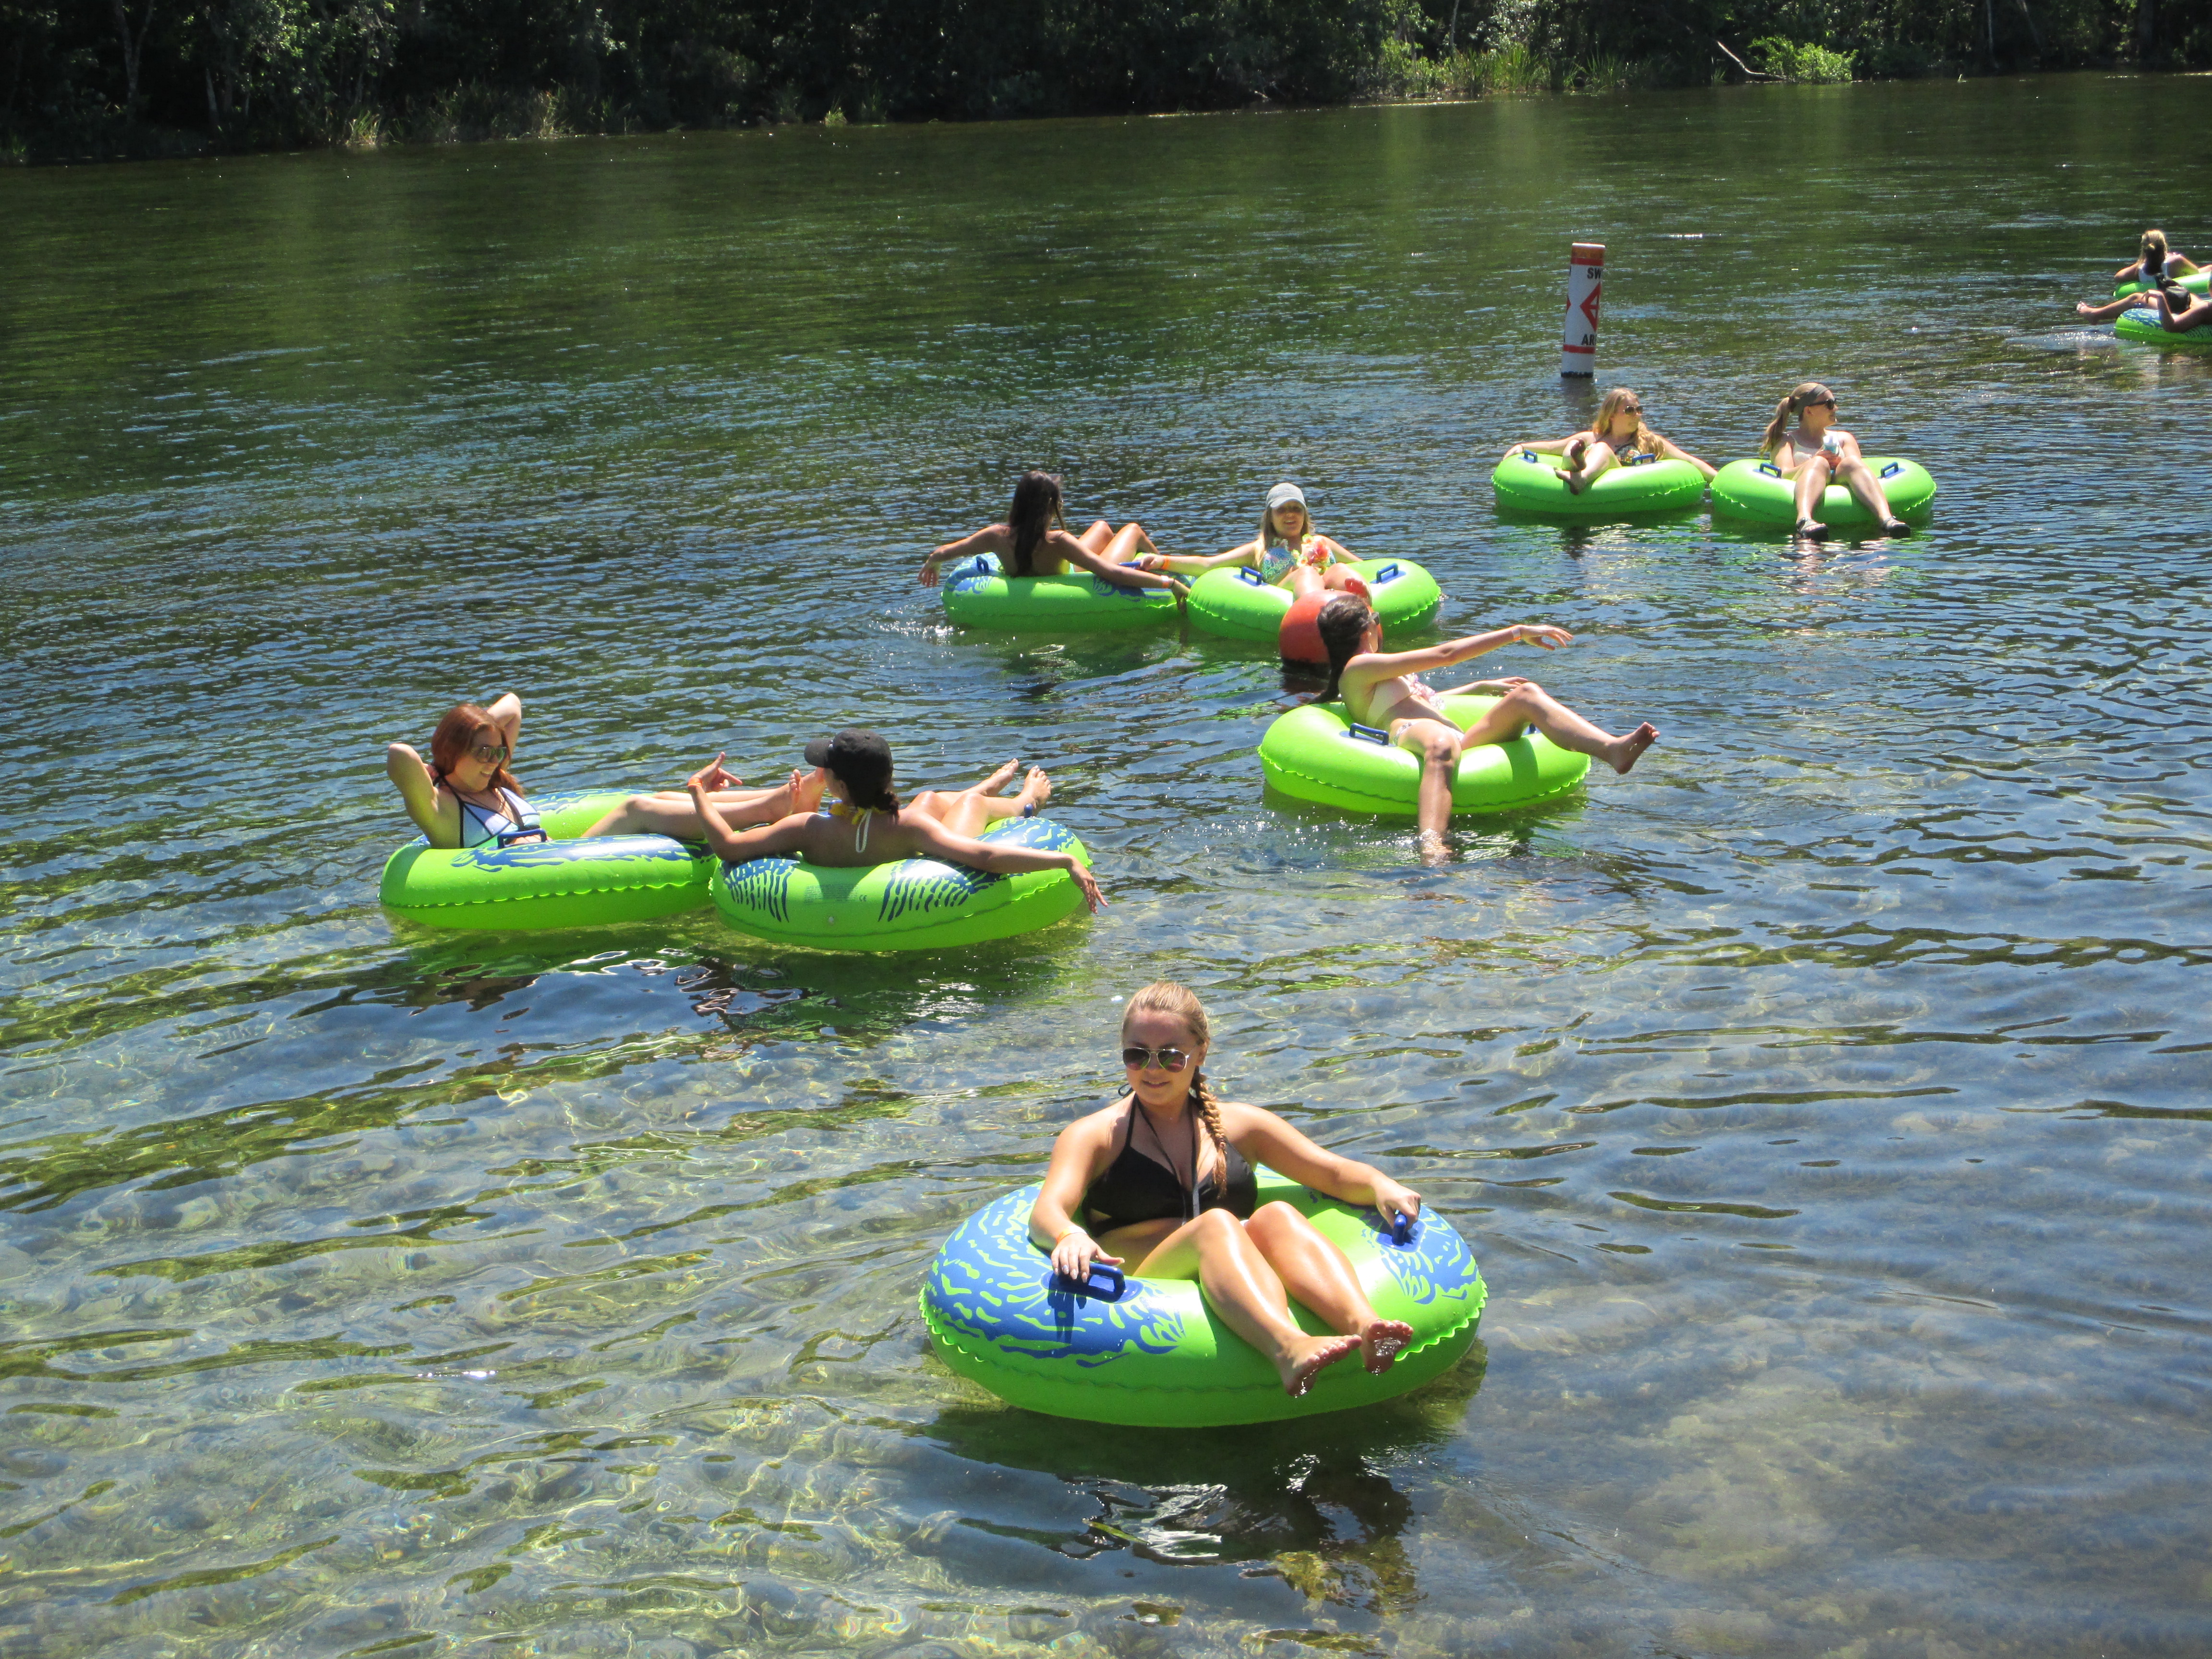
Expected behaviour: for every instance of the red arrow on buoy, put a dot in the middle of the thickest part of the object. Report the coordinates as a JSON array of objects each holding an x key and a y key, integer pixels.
[{"x": 1588, "y": 306}]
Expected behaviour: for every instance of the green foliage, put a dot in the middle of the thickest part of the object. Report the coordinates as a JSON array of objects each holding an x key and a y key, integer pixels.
[
  {"x": 167, "y": 77},
  {"x": 1792, "y": 60}
]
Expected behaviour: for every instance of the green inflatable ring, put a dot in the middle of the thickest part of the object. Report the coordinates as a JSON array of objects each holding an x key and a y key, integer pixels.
[
  {"x": 1237, "y": 603},
  {"x": 565, "y": 882},
  {"x": 913, "y": 904},
  {"x": 1527, "y": 481},
  {"x": 2142, "y": 323},
  {"x": 979, "y": 594},
  {"x": 1154, "y": 1355},
  {"x": 2197, "y": 282},
  {"x": 1752, "y": 488},
  {"x": 1313, "y": 753}
]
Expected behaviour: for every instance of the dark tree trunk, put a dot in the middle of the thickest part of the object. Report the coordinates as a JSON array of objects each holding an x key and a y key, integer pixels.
[{"x": 131, "y": 51}]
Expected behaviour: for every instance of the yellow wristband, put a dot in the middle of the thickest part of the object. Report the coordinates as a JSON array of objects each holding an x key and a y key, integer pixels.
[{"x": 1062, "y": 1237}]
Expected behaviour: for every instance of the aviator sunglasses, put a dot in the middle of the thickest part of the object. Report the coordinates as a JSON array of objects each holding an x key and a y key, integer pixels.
[
  {"x": 490, "y": 754},
  {"x": 1167, "y": 1060}
]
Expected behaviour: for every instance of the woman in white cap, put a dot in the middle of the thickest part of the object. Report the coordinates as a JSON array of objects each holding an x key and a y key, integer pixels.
[
  {"x": 865, "y": 824},
  {"x": 1288, "y": 551}
]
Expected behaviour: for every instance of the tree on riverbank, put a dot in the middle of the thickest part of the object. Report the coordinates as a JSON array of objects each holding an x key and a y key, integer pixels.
[{"x": 150, "y": 76}]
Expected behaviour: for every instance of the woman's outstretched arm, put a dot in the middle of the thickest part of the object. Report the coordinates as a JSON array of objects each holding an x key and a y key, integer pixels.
[
  {"x": 785, "y": 835},
  {"x": 991, "y": 538},
  {"x": 1000, "y": 859},
  {"x": 1386, "y": 665},
  {"x": 1675, "y": 451},
  {"x": 1550, "y": 445},
  {"x": 1265, "y": 1138}
]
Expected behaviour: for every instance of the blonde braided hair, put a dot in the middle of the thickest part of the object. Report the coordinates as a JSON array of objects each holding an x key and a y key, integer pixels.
[{"x": 1166, "y": 997}]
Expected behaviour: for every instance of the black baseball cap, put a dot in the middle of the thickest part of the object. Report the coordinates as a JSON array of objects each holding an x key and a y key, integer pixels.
[{"x": 862, "y": 758}]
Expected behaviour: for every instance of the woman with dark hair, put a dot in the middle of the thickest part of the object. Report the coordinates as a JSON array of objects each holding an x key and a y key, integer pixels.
[
  {"x": 1817, "y": 453},
  {"x": 1384, "y": 691},
  {"x": 1164, "y": 1176},
  {"x": 1034, "y": 541},
  {"x": 465, "y": 795},
  {"x": 2179, "y": 310},
  {"x": 866, "y": 824}
]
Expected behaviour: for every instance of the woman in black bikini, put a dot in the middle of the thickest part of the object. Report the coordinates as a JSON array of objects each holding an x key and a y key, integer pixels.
[
  {"x": 1171, "y": 1202},
  {"x": 1035, "y": 541}
]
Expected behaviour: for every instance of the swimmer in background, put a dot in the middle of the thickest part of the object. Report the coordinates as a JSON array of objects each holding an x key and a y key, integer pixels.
[
  {"x": 1615, "y": 438},
  {"x": 1288, "y": 551},
  {"x": 1384, "y": 691},
  {"x": 466, "y": 796},
  {"x": 1034, "y": 541},
  {"x": 2179, "y": 310},
  {"x": 2156, "y": 267},
  {"x": 1817, "y": 453},
  {"x": 1165, "y": 1174},
  {"x": 866, "y": 824}
]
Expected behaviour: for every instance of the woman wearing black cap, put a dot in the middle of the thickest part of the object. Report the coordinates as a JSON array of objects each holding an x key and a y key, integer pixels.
[{"x": 866, "y": 825}]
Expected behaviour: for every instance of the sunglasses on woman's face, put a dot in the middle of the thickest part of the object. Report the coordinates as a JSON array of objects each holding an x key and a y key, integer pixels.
[
  {"x": 1167, "y": 1060},
  {"x": 490, "y": 754}
]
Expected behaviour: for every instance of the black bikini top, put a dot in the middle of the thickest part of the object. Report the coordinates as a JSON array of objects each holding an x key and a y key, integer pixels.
[{"x": 1137, "y": 1187}]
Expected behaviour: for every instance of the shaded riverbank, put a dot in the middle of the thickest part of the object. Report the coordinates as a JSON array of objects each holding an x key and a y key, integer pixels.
[{"x": 82, "y": 82}]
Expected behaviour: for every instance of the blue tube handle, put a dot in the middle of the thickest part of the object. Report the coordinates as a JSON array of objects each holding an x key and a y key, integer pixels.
[
  {"x": 1401, "y": 1229},
  {"x": 1892, "y": 469},
  {"x": 1105, "y": 1281}
]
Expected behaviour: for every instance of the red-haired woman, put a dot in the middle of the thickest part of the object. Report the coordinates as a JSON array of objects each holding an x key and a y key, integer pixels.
[{"x": 466, "y": 796}]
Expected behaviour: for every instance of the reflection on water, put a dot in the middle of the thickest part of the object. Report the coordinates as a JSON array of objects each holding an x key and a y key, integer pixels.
[{"x": 1825, "y": 1100}]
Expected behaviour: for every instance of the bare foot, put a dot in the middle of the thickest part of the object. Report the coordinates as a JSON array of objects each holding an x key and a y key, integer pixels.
[
  {"x": 997, "y": 782},
  {"x": 2082, "y": 307},
  {"x": 1574, "y": 485},
  {"x": 1381, "y": 1342},
  {"x": 1302, "y": 1362},
  {"x": 806, "y": 791},
  {"x": 1433, "y": 849},
  {"x": 1036, "y": 788},
  {"x": 1622, "y": 753}
]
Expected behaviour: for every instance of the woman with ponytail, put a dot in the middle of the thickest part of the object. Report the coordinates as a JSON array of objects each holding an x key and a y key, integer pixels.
[
  {"x": 2157, "y": 266},
  {"x": 1160, "y": 1183},
  {"x": 864, "y": 824},
  {"x": 1385, "y": 692},
  {"x": 1034, "y": 541},
  {"x": 1818, "y": 453}
]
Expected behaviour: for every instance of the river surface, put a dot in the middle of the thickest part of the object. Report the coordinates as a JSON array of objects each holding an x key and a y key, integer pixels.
[{"x": 1825, "y": 1102}]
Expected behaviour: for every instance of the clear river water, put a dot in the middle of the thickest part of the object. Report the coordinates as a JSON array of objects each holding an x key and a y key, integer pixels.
[{"x": 1826, "y": 1102}]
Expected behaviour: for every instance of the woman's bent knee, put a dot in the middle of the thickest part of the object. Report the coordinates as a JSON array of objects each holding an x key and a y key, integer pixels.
[{"x": 1218, "y": 1225}]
